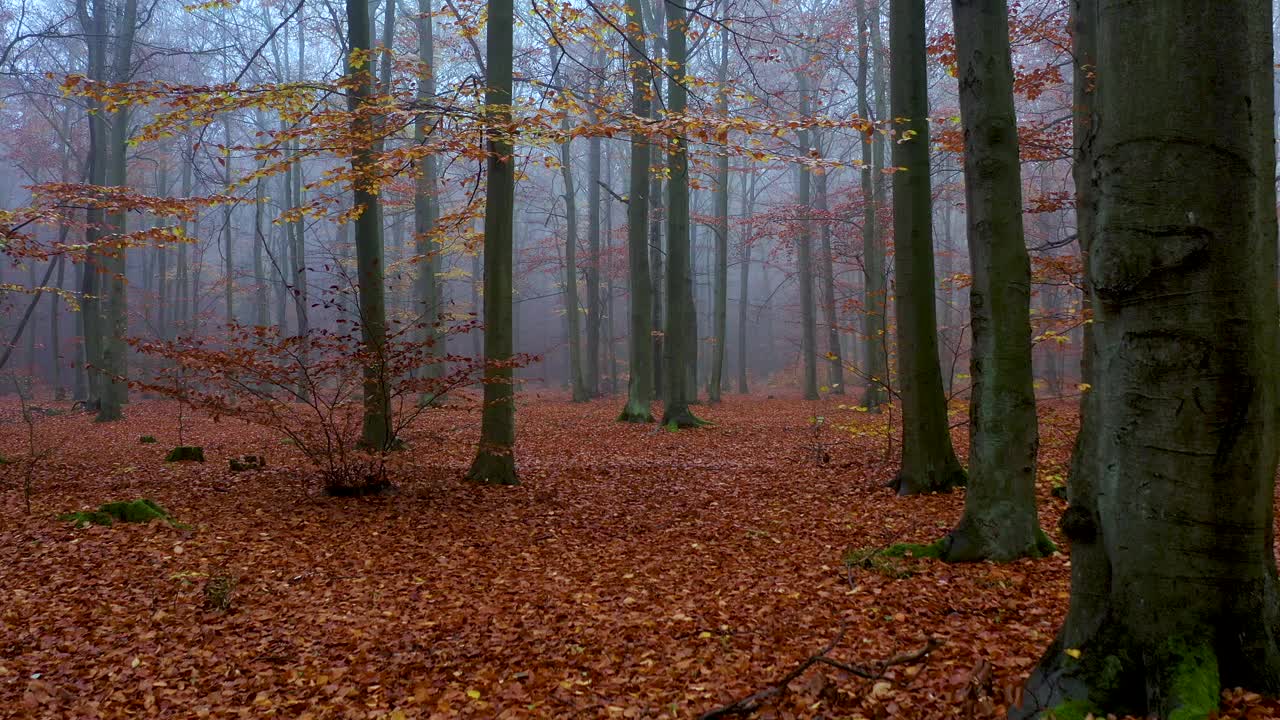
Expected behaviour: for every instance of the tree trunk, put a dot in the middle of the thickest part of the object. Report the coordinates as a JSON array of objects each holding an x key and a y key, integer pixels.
[
  {"x": 875, "y": 298},
  {"x": 495, "y": 459},
  {"x": 744, "y": 278},
  {"x": 1000, "y": 521},
  {"x": 577, "y": 382},
  {"x": 426, "y": 212},
  {"x": 804, "y": 254},
  {"x": 115, "y": 392},
  {"x": 640, "y": 384},
  {"x": 1171, "y": 497},
  {"x": 929, "y": 461},
  {"x": 594, "y": 314},
  {"x": 835, "y": 367},
  {"x": 229, "y": 282},
  {"x": 376, "y": 433},
  {"x": 680, "y": 306}
]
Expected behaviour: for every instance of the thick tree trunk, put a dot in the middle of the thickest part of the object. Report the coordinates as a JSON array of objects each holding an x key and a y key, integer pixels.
[
  {"x": 1000, "y": 521},
  {"x": 679, "y": 297},
  {"x": 875, "y": 298},
  {"x": 495, "y": 458},
  {"x": 929, "y": 461},
  {"x": 1171, "y": 497},
  {"x": 376, "y": 433},
  {"x": 640, "y": 385}
]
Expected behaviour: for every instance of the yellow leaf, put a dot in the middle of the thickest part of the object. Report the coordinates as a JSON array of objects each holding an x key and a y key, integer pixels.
[
  {"x": 473, "y": 694},
  {"x": 1073, "y": 653}
]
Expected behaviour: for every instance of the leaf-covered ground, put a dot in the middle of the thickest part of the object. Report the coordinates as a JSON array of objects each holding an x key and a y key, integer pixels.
[{"x": 633, "y": 574}]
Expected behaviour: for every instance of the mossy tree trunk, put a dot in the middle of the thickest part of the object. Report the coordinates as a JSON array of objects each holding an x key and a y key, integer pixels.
[
  {"x": 929, "y": 461},
  {"x": 1171, "y": 497},
  {"x": 376, "y": 433},
  {"x": 1000, "y": 520},
  {"x": 495, "y": 461},
  {"x": 640, "y": 386}
]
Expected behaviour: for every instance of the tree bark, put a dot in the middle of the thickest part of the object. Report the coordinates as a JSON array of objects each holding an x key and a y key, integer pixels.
[
  {"x": 426, "y": 211},
  {"x": 875, "y": 299},
  {"x": 495, "y": 461},
  {"x": 1171, "y": 497},
  {"x": 744, "y": 278},
  {"x": 376, "y": 433},
  {"x": 720, "y": 319},
  {"x": 1000, "y": 521},
  {"x": 679, "y": 297},
  {"x": 804, "y": 254},
  {"x": 639, "y": 407},
  {"x": 577, "y": 382},
  {"x": 929, "y": 461},
  {"x": 835, "y": 361}
]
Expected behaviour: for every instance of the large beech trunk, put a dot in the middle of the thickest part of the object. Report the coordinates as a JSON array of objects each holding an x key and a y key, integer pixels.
[
  {"x": 1000, "y": 520},
  {"x": 1171, "y": 494}
]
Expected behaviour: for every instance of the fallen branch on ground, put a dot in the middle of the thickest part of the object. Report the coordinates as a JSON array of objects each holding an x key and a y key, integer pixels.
[{"x": 751, "y": 703}]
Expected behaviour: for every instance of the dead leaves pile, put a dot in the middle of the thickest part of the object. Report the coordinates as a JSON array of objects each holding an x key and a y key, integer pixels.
[{"x": 633, "y": 574}]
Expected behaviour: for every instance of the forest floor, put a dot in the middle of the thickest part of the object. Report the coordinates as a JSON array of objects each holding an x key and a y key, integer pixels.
[{"x": 634, "y": 573}]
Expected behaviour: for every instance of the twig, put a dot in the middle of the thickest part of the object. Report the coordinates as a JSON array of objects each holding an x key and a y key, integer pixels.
[{"x": 751, "y": 703}]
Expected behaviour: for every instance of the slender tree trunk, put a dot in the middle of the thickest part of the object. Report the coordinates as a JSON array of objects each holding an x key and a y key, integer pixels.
[
  {"x": 640, "y": 383},
  {"x": 804, "y": 255},
  {"x": 377, "y": 433},
  {"x": 495, "y": 458},
  {"x": 1000, "y": 521},
  {"x": 426, "y": 211},
  {"x": 720, "y": 319},
  {"x": 577, "y": 382},
  {"x": 929, "y": 461},
  {"x": 182, "y": 298},
  {"x": 744, "y": 278},
  {"x": 259, "y": 244},
  {"x": 835, "y": 367},
  {"x": 229, "y": 282},
  {"x": 875, "y": 298},
  {"x": 592, "y": 351},
  {"x": 1171, "y": 499}
]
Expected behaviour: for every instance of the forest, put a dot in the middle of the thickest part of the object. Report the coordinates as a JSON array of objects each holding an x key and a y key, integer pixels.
[{"x": 848, "y": 359}]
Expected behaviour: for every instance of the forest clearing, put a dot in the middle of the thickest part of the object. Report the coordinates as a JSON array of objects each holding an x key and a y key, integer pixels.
[
  {"x": 849, "y": 359},
  {"x": 634, "y": 573}
]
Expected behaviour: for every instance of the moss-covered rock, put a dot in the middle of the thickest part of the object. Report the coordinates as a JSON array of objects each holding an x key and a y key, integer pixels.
[
  {"x": 134, "y": 511},
  {"x": 185, "y": 453},
  {"x": 245, "y": 463}
]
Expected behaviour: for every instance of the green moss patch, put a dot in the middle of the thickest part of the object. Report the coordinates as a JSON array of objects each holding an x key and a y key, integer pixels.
[
  {"x": 185, "y": 453},
  {"x": 1073, "y": 710},
  {"x": 1195, "y": 685},
  {"x": 147, "y": 439},
  {"x": 911, "y": 550},
  {"x": 134, "y": 511}
]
